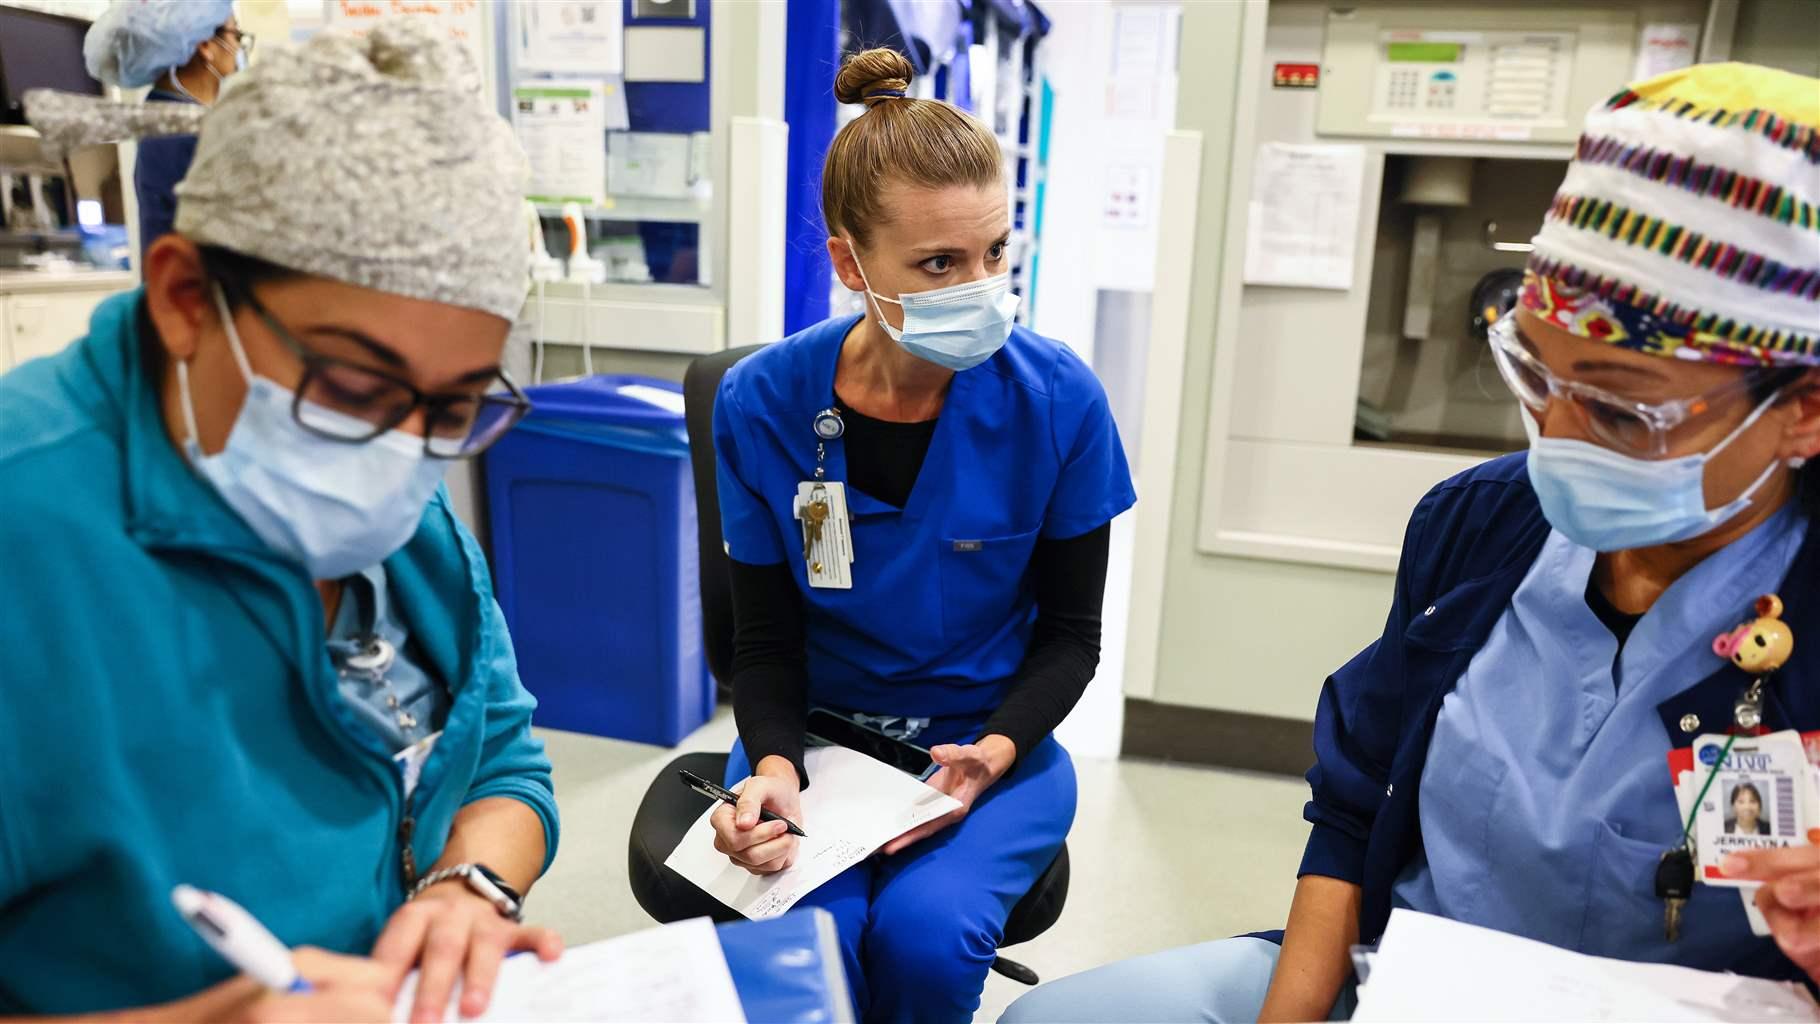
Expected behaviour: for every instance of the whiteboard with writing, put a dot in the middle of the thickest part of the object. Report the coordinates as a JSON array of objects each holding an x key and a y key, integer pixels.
[{"x": 464, "y": 20}]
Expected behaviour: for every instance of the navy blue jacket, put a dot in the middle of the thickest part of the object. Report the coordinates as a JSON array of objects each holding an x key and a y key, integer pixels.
[
  {"x": 1469, "y": 544},
  {"x": 161, "y": 164}
]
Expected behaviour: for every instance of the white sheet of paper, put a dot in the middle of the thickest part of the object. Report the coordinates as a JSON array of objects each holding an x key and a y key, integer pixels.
[
  {"x": 562, "y": 126},
  {"x": 854, "y": 805},
  {"x": 673, "y": 973},
  {"x": 1431, "y": 969},
  {"x": 669, "y": 401},
  {"x": 1663, "y": 47},
  {"x": 1303, "y": 219},
  {"x": 573, "y": 37},
  {"x": 649, "y": 164}
]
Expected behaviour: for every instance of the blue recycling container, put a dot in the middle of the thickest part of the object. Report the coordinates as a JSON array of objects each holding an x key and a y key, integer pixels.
[{"x": 592, "y": 512}]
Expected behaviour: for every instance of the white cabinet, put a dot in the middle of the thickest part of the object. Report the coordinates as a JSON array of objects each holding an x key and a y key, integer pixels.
[{"x": 40, "y": 314}]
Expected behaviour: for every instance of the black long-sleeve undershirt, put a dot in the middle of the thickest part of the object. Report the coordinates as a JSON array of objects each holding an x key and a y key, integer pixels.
[{"x": 770, "y": 677}]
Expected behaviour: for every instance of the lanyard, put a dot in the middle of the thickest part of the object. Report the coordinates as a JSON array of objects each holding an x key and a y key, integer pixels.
[{"x": 1759, "y": 647}]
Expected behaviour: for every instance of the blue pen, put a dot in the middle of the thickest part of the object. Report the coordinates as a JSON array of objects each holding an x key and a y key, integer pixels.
[{"x": 239, "y": 938}]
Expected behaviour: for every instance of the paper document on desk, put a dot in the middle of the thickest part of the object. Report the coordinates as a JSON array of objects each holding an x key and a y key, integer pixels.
[
  {"x": 675, "y": 973},
  {"x": 854, "y": 805},
  {"x": 1431, "y": 969}
]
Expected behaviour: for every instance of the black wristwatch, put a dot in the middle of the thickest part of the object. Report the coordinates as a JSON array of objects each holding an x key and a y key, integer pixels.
[{"x": 486, "y": 884}]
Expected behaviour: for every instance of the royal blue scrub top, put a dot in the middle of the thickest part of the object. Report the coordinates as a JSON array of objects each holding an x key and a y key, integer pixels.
[{"x": 941, "y": 609}]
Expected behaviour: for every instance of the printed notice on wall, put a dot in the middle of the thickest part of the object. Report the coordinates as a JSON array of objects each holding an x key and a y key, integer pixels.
[
  {"x": 574, "y": 37},
  {"x": 563, "y": 128},
  {"x": 1663, "y": 47},
  {"x": 1303, "y": 223}
]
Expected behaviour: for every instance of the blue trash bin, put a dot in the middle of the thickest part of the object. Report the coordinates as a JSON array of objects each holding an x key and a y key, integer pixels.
[{"x": 592, "y": 512}]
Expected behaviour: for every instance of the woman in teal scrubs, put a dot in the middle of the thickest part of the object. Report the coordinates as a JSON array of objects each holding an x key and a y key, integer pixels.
[
  {"x": 249, "y": 647},
  {"x": 981, "y": 469}
]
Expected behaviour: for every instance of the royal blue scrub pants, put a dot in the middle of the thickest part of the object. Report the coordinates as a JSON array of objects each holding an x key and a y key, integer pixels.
[
  {"x": 919, "y": 929},
  {"x": 1220, "y": 982}
]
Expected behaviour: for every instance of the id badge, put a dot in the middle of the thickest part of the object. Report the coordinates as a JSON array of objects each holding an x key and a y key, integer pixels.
[
  {"x": 1761, "y": 797},
  {"x": 821, "y": 511}
]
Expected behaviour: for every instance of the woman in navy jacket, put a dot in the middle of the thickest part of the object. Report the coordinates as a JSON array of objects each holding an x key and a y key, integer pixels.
[{"x": 1498, "y": 756}]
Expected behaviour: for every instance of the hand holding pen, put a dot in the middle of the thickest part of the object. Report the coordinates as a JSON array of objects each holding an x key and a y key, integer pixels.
[{"x": 275, "y": 983}]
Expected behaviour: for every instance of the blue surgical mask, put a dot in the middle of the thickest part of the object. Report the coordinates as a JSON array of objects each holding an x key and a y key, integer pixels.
[
  {"x": 332, "y": 507},
  {"x": 958, "y": 327},
  {"x": 1608, "y": 501}
]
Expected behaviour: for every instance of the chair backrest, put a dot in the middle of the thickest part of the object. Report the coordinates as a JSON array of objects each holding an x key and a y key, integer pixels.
[{"x": 701, "y": 382}]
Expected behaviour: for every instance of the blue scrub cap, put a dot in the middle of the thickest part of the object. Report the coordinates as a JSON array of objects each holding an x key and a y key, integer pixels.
[{"x": 134, "y": 42}]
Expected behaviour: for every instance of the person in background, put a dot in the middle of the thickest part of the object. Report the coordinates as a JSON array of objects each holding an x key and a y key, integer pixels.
[
  {"x": 248, "y": 645},
  {"x": 982, "y": 468},
  {"x": 1498, "y": 756},
  {"x": 184, "y": 50}
]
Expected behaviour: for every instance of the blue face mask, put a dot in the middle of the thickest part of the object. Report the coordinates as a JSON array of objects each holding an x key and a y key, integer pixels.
[
  {"x": 958, "y": 327},
  {"x": 1607, "y": 501},
  {"x": 333, "y": 507}
]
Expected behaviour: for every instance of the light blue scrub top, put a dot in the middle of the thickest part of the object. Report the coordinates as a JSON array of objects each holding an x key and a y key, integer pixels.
[
  {"x": 941, "y": 609},
  {"x": 403, "y": 704},
  {"x": 1546, "y": 801}
]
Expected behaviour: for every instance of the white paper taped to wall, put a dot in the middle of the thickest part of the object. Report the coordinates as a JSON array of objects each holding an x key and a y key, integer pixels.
[{"x": 1304, "y": 215}]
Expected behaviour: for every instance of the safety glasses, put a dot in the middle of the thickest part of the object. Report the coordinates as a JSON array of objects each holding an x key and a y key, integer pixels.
[
  {"x": 1640, "y": 428},
  {"x": 243, "y": 41},
  {"x": 345, "y": 401}
]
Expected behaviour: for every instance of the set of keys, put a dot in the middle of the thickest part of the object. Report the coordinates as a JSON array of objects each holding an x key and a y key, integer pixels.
[
  {"x": 821, "y": 511},
  {"x": 815, "y": 516},
  {"x": 1674, "y": 887},
  {"x": 821, "y": 508}
]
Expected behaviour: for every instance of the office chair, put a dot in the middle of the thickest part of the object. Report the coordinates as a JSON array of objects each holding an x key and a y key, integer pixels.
[{"x": 668, "y": 809}]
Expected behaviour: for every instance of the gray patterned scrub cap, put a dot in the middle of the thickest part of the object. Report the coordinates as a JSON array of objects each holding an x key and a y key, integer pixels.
[{"x": 369, "y": 158}]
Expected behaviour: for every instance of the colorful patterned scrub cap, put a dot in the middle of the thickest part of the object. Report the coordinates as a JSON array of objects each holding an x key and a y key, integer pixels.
[
  {"x": 1686, "y": 225},
  {"x": 366, "y": 158}
]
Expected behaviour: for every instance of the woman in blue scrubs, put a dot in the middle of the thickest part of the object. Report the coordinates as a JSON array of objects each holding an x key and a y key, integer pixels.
[
  {"x": 1499, "y": 756},
  {"x": 184, "y": 50},
  {"x": 981, "y": 468},
  {"x": 252, "y": 650}
]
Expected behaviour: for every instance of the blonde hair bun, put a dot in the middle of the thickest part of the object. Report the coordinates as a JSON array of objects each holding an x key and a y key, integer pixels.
[{"x": 873, "y": 76}]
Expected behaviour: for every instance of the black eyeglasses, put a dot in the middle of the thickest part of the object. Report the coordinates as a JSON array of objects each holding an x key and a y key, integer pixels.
[{"x": 345, "y": 401}]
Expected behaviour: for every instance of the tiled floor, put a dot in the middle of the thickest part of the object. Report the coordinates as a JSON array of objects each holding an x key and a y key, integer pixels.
[{"x": 1162, "y": 854}]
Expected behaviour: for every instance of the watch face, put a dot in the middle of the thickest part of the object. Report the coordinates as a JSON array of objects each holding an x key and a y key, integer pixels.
[{"x": 499, "y": 883}]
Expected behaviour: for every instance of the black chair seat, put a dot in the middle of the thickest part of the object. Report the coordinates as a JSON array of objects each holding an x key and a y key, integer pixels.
[{"x": 668, "y": 809}]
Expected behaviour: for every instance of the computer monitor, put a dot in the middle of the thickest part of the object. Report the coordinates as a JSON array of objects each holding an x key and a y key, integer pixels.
[{"x": 40, "y": 50}]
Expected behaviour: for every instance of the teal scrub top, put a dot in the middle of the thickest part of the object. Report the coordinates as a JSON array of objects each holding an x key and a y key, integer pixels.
[
  {"x": 940, "y": 613},
  {"x": 171, "y": 714}
]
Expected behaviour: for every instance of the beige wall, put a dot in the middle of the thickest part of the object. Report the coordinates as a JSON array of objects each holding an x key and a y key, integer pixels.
[
  {"x": 1779, "y": 33},
  {"x": 1238, "y": 634}
]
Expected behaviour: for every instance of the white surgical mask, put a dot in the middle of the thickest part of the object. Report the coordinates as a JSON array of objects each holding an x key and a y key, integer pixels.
[
  {"x": 958, "y": 327},
  {"x": 1608, "y": 501},
  {"x": 333, "y": 507}
]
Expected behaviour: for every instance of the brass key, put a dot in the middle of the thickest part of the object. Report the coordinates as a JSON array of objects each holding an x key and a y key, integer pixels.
[{"x": 814, "y": 515}]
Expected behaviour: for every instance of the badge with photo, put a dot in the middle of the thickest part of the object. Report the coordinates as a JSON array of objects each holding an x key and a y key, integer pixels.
[{"x": 1761, "y": 796}]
